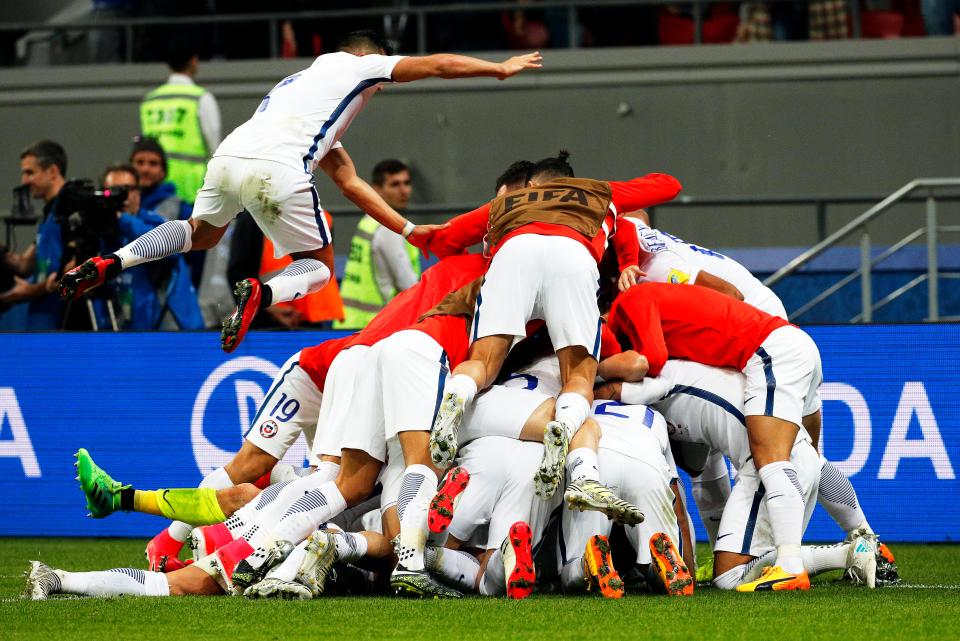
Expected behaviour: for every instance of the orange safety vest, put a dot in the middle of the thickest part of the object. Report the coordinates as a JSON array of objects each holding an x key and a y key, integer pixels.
[{"x": 317, "y": 307}]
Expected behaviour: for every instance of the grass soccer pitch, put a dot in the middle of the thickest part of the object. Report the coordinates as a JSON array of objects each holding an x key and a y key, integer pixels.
[{"x": 925, "y": 606}]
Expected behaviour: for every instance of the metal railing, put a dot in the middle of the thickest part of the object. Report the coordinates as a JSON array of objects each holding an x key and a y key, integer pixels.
[
  {"x": 272, "y": 21},
  {"x": 868, "y": 262}
]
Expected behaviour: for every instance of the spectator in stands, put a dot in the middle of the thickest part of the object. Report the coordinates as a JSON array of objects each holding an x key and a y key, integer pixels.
[
  {"x": 185, "y": 120},
  {"x": 379, "y": 265},
  {"x": 156, "y": 192},
  {"x": 42, "y": 167},
  {"x": 938, "y": 16},
  {"x": 157, "y": 294},
  {"x": 251, "y": 256}
]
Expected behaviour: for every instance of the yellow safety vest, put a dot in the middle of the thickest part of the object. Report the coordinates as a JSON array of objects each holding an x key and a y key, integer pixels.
[
  {"x": 358, "y": 288},
  {"x": 170, "y": 113}
]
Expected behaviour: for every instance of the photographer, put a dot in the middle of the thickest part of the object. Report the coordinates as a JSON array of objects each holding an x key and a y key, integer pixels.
[
  {"x": 36, "y": 270},
  {"x": 148, "y": 295},
  {"x": 156, "y": 192}
]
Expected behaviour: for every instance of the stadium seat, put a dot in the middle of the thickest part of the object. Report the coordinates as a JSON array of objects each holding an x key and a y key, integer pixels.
[
  {"x": 881, "y": 24},
  {"x": 719, "y": 28}
]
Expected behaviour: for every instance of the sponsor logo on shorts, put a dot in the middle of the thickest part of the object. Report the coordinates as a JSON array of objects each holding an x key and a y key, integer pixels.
[{"x": 268, "y": 429}]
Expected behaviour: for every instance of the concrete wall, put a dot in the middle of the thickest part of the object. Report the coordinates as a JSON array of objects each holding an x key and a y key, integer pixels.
[{"x": 805, "y": 118}]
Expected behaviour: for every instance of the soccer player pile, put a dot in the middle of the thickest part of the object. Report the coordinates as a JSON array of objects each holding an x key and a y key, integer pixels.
[{"x": 515, "y": 421}]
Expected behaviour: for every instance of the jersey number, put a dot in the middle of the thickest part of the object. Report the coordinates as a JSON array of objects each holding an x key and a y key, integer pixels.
[
  {"x": 287, "y": 408},
  {"x": 283, "y": 83},
  {"x": 531, "y": 380},
  {"x": 602, "y": 409}
]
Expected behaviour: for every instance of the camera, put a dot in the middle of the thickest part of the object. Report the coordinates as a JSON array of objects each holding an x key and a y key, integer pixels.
[{"x": 88, "y": 217}]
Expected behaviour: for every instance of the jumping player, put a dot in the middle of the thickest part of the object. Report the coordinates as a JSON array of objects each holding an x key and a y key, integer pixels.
[{"x": 266, "y": 167}]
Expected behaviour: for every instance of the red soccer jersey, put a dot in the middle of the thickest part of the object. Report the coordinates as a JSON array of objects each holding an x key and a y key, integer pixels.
[
  {"x": 315, "y": 360},
  {"x": 450, "y": 332},
  {"x": 663, "y": 321},
  {"x": 449, "y": 275},
  {"x": 469, "y": 229}
]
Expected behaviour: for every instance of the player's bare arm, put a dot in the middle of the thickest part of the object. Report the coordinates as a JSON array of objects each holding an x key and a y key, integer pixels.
[
  {"x": 627, "y": 366},
  {"x": 448, "y": 65},
  {"x": 338, "y": 165},
  {"x": 708, "y": 280}
]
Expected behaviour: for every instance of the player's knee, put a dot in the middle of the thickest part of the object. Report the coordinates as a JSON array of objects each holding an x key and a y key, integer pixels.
[
  {"x": 204, "y": 235},
  {"x": 355, "y": 491},
  {"x": 233, "y": 498}
]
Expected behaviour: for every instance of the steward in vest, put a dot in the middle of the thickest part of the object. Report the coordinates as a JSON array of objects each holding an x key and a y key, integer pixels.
[
  {"x": 381, "y": 264},
  {"x": 185, "y": 119}
]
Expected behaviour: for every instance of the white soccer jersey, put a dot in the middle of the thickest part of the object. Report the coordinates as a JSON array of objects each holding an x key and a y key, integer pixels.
[
  {"x": 542, "y": 375},
  {"x": 669, "y": 259},
  {"x": 305, "y": 114},
  {"x": 637, "y": 431}
]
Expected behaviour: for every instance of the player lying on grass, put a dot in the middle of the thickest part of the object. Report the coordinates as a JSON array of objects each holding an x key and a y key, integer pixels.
[
  {"x": 704, "y": 405},
  {"x": 667, "y": 259},
  {"x": 304, "y": 575},
  {"x": 526, "y": 231}
]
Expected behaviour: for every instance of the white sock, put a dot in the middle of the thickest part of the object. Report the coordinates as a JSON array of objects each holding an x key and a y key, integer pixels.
[
  {"x": 218, "y": 480},
  {"x": 823, "y": 558},
  {"x": 270, "y": 505},
  {"x": 301, "y": 277},
  {"x": 118, "y": 582},
  {"x": 730, "y": 579},
  {"x": 583, "y": 463},
  {"x": 247, "y": 516},
  {"x": 413, "y": 504},
  {"x": 308, "y": 512},
  {"x": 171, "y": 237},
  {"x": 571, "y": 576},
  {"x": 327, "y": 470},
  {"x": 494, "y": 580},
  {"x": 572, "y": 410},
  {"x": 462, "y": 386},
  {"x": 458, "y": 568},
  {"x": 784, "y": 498},
  {"x": 351, "y": 546},
  {"x": 839, "y": 499}
]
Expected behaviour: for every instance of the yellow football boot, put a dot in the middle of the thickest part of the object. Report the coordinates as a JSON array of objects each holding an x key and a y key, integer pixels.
[{"x": 776, "y": 579}]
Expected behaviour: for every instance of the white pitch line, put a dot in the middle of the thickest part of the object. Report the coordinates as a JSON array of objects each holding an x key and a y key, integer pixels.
[{"x": 920, "y": 586}]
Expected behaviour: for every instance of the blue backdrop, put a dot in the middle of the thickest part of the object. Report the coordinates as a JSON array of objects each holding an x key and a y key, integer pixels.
[{"x": 160, "y": 410}]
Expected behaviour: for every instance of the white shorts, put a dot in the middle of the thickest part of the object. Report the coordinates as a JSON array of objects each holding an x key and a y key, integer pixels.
[
  {"x": 412, "y": 368},
  {"x": 553, "y": 278},
  {"x": 745, "y": 527},
  {"x": 500, "y": 411},
  {"x": 346, "y": 413},
  {"x": 501, "y": 490},
  {"x": 281, "y": 200},
  {"x": 290, "y": 408},
  {"x": 646, "y": 486},
  {"x": 784, "y": 377}
]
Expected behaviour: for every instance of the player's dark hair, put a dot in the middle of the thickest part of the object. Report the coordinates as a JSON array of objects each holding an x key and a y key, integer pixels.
[
  {"x": 553, "y": 167},
  {"x": 365, "y": 41},
  {"x": 47, "y": 153},
  {"x": 121, "y": 168},
  {"x": 152, "y": 145},
  {"x": 386, "y": 168},
  {"x": 517, "y": 174},
  {"x": 179, "y": 54}
]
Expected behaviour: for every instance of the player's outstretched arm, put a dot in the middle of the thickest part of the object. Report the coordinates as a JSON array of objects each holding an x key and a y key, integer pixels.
[
  {"x": 338, "y": 165},
  {"x": 708, "y": 280},
  {"x": 449, "y": 65}
]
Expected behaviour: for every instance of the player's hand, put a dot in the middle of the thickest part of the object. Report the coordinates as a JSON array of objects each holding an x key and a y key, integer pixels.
[
  {"x": 630, "y": 277},
  {"x": 422, "y": 234},
  {"x": 516, "y": 64}
]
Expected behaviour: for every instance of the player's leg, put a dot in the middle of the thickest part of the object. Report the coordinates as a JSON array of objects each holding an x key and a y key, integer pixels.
[
  {"x": 43, "y": 581},
  {"x": 285, "y": 206},
  {"x": 568, "y": 300},
  {"x": 505, "y": 304},
  {"x": 215, "y": 207},
  {"x": 777, "y": 380},
  {"x": 290, "y": 407}
]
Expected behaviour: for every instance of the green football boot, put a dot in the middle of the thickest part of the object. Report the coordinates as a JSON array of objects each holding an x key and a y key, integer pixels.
[{"x": 101, "y": 491}]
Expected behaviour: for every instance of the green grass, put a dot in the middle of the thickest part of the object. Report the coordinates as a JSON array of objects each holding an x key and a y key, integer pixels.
[{"x": 832, "y": 610}]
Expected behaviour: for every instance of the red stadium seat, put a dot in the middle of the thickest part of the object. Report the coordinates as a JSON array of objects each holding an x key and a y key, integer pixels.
[
  {"x": 719, "y": 28},
  {"x": 881, "y": 24}
]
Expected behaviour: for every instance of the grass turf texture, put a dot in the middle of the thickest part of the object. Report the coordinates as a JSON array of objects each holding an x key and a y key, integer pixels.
[{"x": 832, "y": 610}]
